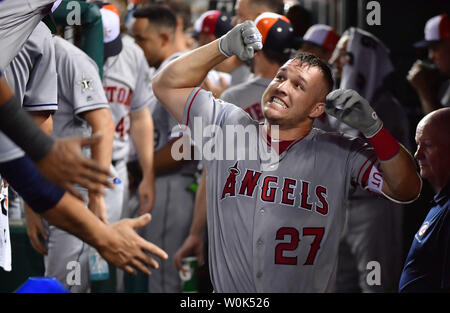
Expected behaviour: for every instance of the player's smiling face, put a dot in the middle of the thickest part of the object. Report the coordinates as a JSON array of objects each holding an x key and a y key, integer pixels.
[{"x": 294, "y": 96}]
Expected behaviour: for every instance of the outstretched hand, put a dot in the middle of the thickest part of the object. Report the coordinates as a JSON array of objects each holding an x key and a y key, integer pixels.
[{"x": 127, "y": 250}]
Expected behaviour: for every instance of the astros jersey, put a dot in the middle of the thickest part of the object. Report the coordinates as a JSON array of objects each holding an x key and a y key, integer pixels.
[
  {"x": 275, "y": 226},
  {"x": 126, "y": 80},
  {"x": 248, "y": 96},
  {"x": 17, "y": 21},
  {"x": 32, "y": 76},
  {"x": 83, "y": 90}
]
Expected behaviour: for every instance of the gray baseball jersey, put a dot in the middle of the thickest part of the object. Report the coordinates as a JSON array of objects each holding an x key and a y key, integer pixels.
[
  {"x": 248, "y": 96},
  {"x": 126, "y": 78},
  {"x": 240, "y": 75},
  {"x": 32, "y": 76},
  {"x": 17, "y": 21},
  {"x": 275, "y": 226},
  {"x": 80, "y": 90}
]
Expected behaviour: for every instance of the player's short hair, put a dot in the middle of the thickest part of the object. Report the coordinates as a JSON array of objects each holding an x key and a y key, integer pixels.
[
  {"x": 181, "y": 10},
  {"x": 312, "y": 60},
  {"x": 275, "y": 6},
  {"x": 158, "y": 15}
]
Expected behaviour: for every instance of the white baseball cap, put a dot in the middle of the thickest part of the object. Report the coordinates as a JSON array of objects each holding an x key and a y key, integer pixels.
[
  {"x": 111, "y": 29},
  {"x": 436, "y": 29},
  {"x": 322, "y": 35}
]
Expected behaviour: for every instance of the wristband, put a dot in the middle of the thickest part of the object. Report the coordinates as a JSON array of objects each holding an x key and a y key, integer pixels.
[
  {"x": 21, "y": 129},
  {"x": 384, "y": 144},
  {"x": 39, "y": 193}
]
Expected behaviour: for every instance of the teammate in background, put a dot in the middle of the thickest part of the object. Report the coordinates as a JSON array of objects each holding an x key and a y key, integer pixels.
[
  {"x": 60, "y": 161},
  {"x": 254, "y": 232},
  {"x": 126, "y": 80},
  {"x": 33, "y": 77},
  {"x": 428, "y": 263},
  {"x": 320, "y": 40},
  {"x": 183, "y": 35},
  {"x": 154, "y": 31},
  {"x": 300, "y": 19},
  {"x": 82, "y": 110},
  {"x": 374, "y": 224},
  {"x": 208, "y": 27},
  {"x": 424, "y": 79},
  {"x": 118, "y": 243}
]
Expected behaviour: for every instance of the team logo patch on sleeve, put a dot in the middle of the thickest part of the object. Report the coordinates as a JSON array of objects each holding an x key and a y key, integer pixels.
[
  {"x": 86, "y": 84},
  {"x": 422, "y": 231}
]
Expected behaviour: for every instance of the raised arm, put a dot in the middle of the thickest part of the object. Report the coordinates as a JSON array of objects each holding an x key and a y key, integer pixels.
[
  {"x": 173, "y": 85},
  {"x": 401, "y": 182}
]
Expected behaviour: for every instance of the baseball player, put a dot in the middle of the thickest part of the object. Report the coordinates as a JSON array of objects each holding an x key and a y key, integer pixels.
[
  {"x": 174, "y": 200},
  {"x": 60, "y": 161},
  {"x": 32, "y": 76},
  {"x": 247, "y": 96},
  {"x": 83, "y": 109},
  {"x": 118, "y": 243},
  {"x": 126, "y": 77},
  {"x": 274, "y": 224},
  {"x": 245, "y": 10}
]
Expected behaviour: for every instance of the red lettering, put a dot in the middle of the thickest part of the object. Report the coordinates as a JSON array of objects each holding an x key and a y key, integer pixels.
[
  {"x": 121, "y": 95},
  {"x": 304, "y": 196},
  {"x": 321, "y": 193},
  {"x": 271, "y": 196},
  {"x": 249, "y": 183},
  {"x": 287, "y": 190}
]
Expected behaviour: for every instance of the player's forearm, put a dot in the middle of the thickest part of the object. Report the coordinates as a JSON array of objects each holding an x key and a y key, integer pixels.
[
  {"x": 71, "y": 215},
  {"x": 141, "y": 130},
  {"x": 189, "y": 70},
  {"x": 164, "y": 162},
  {"x": 101, "y": 122},
  {"x": 400, "y": 178},
  {"x": 198, "y": 225}
]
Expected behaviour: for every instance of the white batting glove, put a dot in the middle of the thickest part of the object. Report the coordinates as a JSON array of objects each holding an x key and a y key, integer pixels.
[
  {"x": 242, "y": 41},
  {"x": 350, "y": 108}
]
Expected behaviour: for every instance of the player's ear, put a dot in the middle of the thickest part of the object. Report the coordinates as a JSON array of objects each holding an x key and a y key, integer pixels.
[
  {"x": 165, "y": 38},
  {"x": 317, "y": 110}
]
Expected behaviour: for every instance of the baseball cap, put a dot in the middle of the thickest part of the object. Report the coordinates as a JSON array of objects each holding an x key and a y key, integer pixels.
[
  {"x": 111, "y": 29},
  {"x": 277, "y": 32},
  {"x": 436, "y": 29},
  {"x": 322, "y": 35},
  {"x": 213, "y": 22}
]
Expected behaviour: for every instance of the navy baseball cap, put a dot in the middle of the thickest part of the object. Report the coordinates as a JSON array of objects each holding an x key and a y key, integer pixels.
[
  {"x": 436, "y": 29},
  {"x": 213, "y": 22},
  {"x": 111, "y": 29},
  {"x": 277, "y": 32}
]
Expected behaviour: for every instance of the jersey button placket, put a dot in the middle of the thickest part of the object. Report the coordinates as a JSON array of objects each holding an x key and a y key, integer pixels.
[{"x": 259, "y": 243}]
